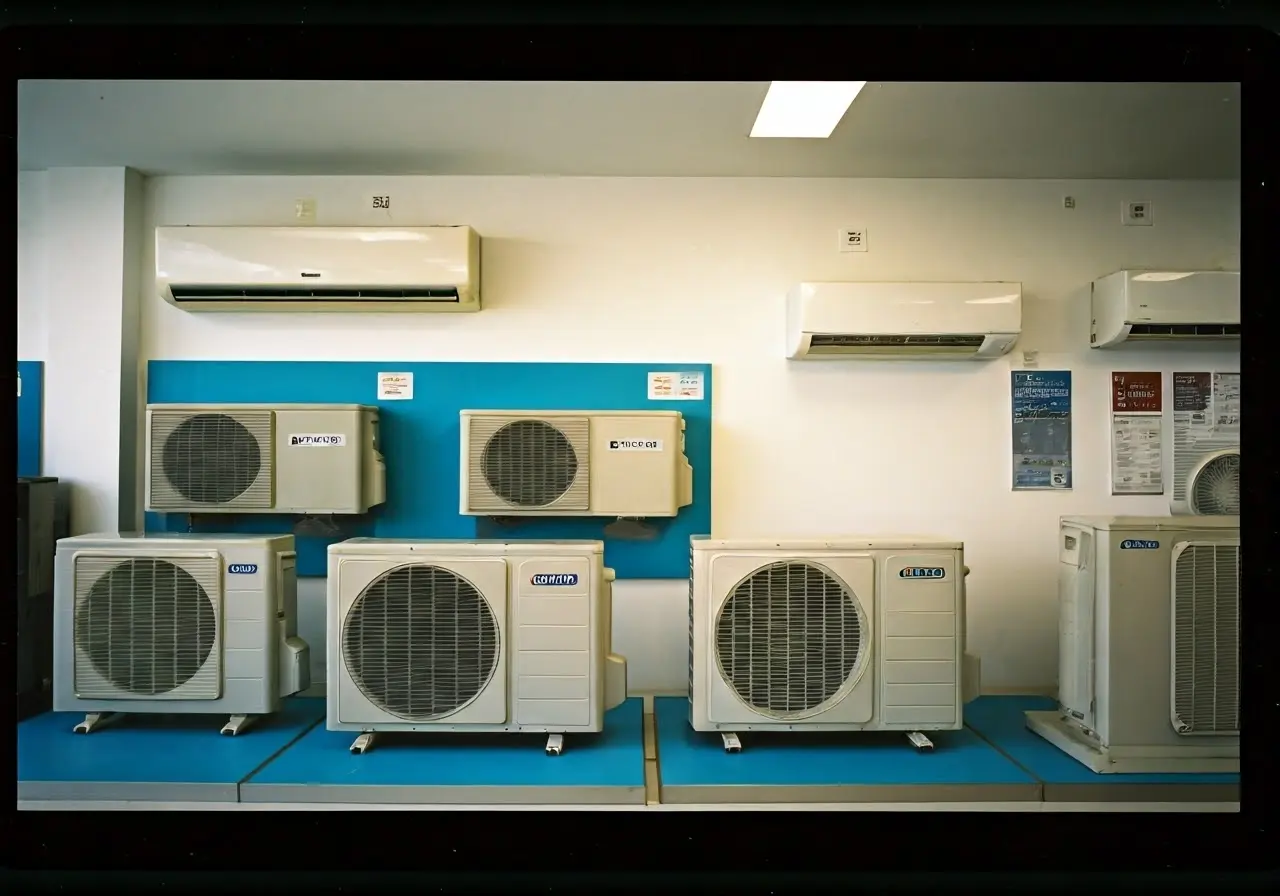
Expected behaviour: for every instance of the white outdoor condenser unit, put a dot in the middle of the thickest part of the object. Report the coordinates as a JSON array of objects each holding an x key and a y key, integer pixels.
[
  {"x": 471, "y": 636},
  {"x": 1149, "y": 644},
  {"x": 285, "y": 269},
  {"x": 903, "y": 321},
  {"x": 574, "y": 463},
  {"x": 1164, "y": 305},
  {"x": 263, "y": 458},
  {"x": 176, "y": 624},
  {"x": 832, "y": 635}
]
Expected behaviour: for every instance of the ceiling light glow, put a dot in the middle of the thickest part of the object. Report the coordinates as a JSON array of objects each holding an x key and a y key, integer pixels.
[{"x": 804, "y": 109}]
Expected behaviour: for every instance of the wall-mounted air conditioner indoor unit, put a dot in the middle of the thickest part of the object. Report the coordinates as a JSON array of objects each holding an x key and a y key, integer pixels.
[
  {"x": 1164, "y": 305},
  {"x": 481, "y": 636},
  {"x": 263, "y": 458},
  {"x": 574, "y": 463},
  {"x": 319, "y": 268},
  {"x": 902, "y": 321},
  {"x": 176, "y": 623}
]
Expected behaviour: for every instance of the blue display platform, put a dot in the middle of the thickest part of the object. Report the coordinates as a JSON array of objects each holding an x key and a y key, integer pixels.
[
  {"x": 493, "y": 769},
  {"x": 800, "y": 767},
  {"x": 170, "y": 758},
  {"x": 1000, "y": 720}
]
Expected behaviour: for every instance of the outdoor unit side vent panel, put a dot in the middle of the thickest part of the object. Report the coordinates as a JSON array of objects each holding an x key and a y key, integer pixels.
[
  {"x": 1206, "y": 639},
  {"x": 528, "y": 464},
  {"x": 218, "y": 459}
]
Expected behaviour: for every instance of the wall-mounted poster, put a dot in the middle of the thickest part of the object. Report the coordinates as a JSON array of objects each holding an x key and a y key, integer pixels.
[
  {"x": 1137, "y": 431},
  {"x": 1041, "y": 429}
]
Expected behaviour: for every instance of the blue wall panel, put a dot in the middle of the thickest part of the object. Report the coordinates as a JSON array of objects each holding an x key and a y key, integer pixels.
[
  {"x": 30, "y": 416},
  {"x": 420, "y": 444}
]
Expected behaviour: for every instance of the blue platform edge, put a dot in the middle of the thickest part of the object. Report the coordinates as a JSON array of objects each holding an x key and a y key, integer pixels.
[
  {"x": 157, "y": 749},
  {"x": 689, "y": 758},
  {"x": 613, "y": 758},
  {"x": 1001, "y": 720},
  {"x": 420, "y": 441},
  {"x": 30, "y": 417}
]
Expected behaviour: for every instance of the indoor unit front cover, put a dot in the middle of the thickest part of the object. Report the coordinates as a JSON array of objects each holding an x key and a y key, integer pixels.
[
  {"x": 574, "y": 463},
  {"x": 845, "y": 634},
  {"x": 470, "y": 636},
  {"x": 263, "y": 458}
]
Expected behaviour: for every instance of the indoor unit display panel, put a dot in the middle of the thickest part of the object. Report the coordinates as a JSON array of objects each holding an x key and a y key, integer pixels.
[
  {"x": 574, "y": 463},
  {"x": 263, "y": 458},
  {"x": 176, "y": 623},
  {"x": 826, "y": 635}
]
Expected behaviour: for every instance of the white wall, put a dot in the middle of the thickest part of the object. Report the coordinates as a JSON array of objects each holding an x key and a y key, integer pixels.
[
  {"x": 32, "y": 267},
  {"x": 695, "y": 269}
]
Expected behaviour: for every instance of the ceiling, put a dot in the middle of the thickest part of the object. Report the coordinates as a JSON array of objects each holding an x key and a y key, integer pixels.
[{"x": 583, "y": 128}]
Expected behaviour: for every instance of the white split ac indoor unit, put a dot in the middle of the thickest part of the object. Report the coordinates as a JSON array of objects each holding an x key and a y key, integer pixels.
[
  {"x": 1164, "y": 305},
  {"x": 280, "y": 269},
  {"x": 903, "y": 321},
  {"x": 176, "y": 624},
  {"x": 833, "y": 635},
  {"x": 482, "y": 636},
  {"x": 263, "y": 458},
  {"x": 574, "y": 463}
]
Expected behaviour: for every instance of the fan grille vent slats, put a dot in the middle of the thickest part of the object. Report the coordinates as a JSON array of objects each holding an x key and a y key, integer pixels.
[
  {"x": 208, "y": 458},
  {"x": 1206, "y": 639},
  {"x": 145, "y": 627},
  {"x": 788, "y": 638},
  {"x": 420, "y": 642},
  {"x": 1216, "y": 490},
  {"x": 528, "y": 463}
]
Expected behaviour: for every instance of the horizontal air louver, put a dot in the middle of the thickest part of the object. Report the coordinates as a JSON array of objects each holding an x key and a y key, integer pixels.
[
  {"x": 1184, "y": 331},
  {"x": 309, "y": 294},
  {"x": 849, "y": 343}
]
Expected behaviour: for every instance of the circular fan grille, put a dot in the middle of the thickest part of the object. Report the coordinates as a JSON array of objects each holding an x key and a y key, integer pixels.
[
  {"x": 211, "y": 458},
  {"x": 146, "y": 626},
  {"x": 788, "y": 638},
  {"x": 1216, "y": 486},
  {"x": 529, "y": 463},
  {"x": 420, "y": 642}
]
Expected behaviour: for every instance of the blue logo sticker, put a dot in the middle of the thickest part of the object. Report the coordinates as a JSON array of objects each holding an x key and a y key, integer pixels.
[
  {"x": 242, "y": 569},
  {"x": 922, "y": 572},
  {"x": 1138, "y": 544},
  {"x": 554, "y": 578}
]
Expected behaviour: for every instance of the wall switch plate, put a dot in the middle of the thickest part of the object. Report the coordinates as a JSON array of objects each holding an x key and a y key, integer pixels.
[
  {"x": 1068, "y": 202},
  {"x": 305, "y": 209},
  {"x": 1138, "y": 214},
  {"x": 853, "y": 239}
]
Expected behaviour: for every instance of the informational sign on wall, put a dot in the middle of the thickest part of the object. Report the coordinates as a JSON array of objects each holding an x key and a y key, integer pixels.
[
  {"x": 1041, "y": 429},
  {"x": 675, "y": 385},
  {"x": 1206, "y": 418},
  {"x": 1137, "y": 432}
]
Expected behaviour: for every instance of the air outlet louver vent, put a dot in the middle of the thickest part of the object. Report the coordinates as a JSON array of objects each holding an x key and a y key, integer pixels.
[
  {"x": 211, "y": 458},
  {"x": 1189, "y": 331},
  {"x": 788, "y": 638},
  {"x": 529, "y": 464},
  {"x": 146, "y": 628},
  {"x": 1206, "y": 639},
  {"x": 285, "y": 295},
  {"x": 890, "y": 344},
  {"x": 420, "y": 643}
]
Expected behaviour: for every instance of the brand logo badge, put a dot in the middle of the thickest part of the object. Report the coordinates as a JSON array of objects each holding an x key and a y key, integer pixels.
[
  {"x": 1138, "y": 544},
  {"x": 635, "y": 444},
  {"x": 554, "y": 578},
  {"x": 317, "y": 440},
  {"x": 242, "y": 569},
  {"x": 922, "y": 572}
]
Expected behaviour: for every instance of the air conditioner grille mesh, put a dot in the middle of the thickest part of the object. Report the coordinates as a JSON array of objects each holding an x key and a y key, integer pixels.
[
  {"x": 1216, "y": 490},
  {"x": 1206, "y": 639},
  {"x": 788, "y": 638},
  {"x": 420, "y": 642},
  {"x": 215, "y": 459},
  {"x": 146, "y": 627},
  {"x": 528, "y": 463}
]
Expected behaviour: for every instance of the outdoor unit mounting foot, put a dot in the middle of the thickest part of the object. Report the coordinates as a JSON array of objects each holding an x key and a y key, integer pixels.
[
  {"x": 555, "y": 744},
  {"x": 920, "y": 742},
  {"x": 363, "y": 743},
  {"x": 95, "y": 720},
  {"x": 238, "y": 725},
  {"x": 731, "y": 743}
]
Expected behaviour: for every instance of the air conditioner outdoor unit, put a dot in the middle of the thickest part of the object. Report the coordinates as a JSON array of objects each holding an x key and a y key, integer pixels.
[
  {"x": 319, "y": 268},
  {"x": 1149, "y": 645},
  {"x": 574, "y": 463},
  {"x": 263, "y": 458},
  {"x": 1164, "y": 305},
  {"x": 1211, "y": 487},
  {"x": 176, "y": 624},
  {"x": 903, "y": 321},
  {"x": 480, "y": 636},
  {"x": 833, "y": 635}
]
